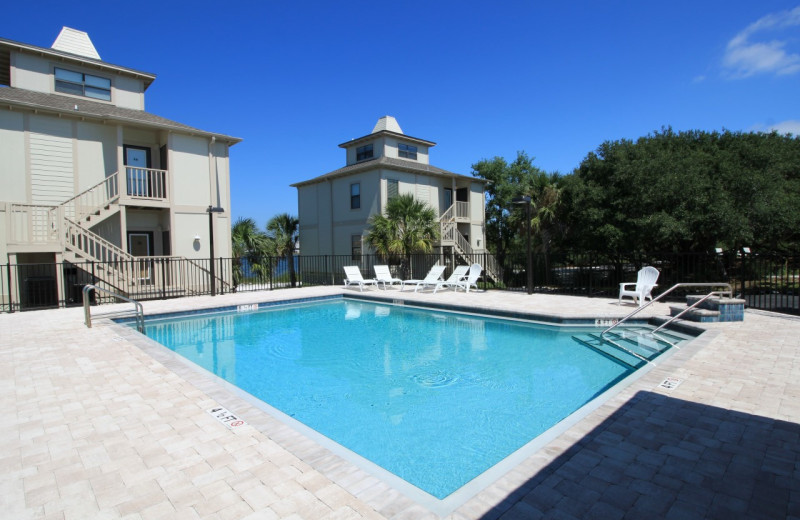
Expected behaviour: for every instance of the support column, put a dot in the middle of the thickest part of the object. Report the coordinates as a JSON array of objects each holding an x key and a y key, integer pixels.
[
  {"x": 60, "y": 289},
  {"x": 122, "y": 175},
  {"x": 123, "y": 228},
  {"x": 213, "y": 186},
  {"x": 13, "y": 281}
]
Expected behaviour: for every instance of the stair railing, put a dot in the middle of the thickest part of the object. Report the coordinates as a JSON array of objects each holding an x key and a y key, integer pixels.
[
  {"x": 729, "y": 292},
  {"x": 93, "y": 245},
  {"x": 93, "y": 199}
]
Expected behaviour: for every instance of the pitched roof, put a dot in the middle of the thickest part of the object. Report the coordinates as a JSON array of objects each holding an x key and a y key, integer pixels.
[
  {"x": 15, "y": 97},
  {"x": 387, "y": 123},
  {"x": 386, "y": 126},
  {"x": 389, "y": 163},
  {"x": 7, "y": 46},
  {"x": 75, "y": 42}
]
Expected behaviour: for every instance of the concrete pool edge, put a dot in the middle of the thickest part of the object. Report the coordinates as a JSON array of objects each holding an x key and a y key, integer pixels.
[{"x": 226, "y": 392}]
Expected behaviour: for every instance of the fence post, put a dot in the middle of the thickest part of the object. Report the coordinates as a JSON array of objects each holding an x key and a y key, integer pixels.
[
  {"x": 10, "y": 291},
  {"x": 163, "y": 280},
  {"x": 744, "y": 273}
]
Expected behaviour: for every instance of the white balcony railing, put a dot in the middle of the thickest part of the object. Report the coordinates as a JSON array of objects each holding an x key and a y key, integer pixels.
[
  {"x": 462, "y": 210},
  {"x": 459, "y": 212},
  {"x": 146, "y": 183}
]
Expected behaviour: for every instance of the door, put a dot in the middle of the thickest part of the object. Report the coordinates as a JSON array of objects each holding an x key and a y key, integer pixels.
[
  {"x": 448, "y": 198},
  {"x": 137, "y": 162},
  {"x": 141, "y": 244}
]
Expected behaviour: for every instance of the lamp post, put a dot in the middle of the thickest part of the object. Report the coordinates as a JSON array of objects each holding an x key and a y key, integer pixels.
[
  {"x": 211, "y": 210},
  {"x": 526, "y": 200}
]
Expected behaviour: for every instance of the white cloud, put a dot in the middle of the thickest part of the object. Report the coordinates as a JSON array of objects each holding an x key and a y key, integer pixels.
[
  {"x": 750, "y": 52},
  {"x": 791, "y": 126},
  {"x": 787, "y": 127}
]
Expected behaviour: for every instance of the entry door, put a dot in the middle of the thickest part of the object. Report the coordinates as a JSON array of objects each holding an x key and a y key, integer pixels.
[
  {"x": 137, "y": 161},
  {"x": 448, "y": 198},
  {"x": 139, "y": 245}
]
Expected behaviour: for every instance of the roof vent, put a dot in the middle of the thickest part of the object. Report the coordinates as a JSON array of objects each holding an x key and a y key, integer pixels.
[
  {"x": 74, "y": 41},
  {"x": 387, "y": 123}
]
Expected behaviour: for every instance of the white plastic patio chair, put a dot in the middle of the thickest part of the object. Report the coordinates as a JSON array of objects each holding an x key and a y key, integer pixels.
[
  {"x": 471, "y": 279},
  {"x": 352, "y": 276},
  {"x": 384, "y": 276},
  {"x": 457, "y": 275},
  {"x": 433, "y": 277},
  {"x": 645, "y": 282}
]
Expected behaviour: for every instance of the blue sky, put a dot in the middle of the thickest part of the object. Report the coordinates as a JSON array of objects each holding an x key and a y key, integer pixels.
[{"x": 481, "y": 79}]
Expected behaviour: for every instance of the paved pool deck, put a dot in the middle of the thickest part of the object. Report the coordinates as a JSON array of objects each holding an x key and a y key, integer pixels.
[{"x": 100, "y": 423}]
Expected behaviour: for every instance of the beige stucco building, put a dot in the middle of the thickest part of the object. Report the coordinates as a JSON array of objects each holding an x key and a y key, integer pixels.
[
  {"x": 334, "y": 208},
  {"x": 88, "y": 175}
]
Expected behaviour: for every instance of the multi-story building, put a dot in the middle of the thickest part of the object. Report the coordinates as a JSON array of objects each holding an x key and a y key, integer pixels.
[
  {"x": 92, "y": 181},
  {"x": 334, "y": 208}
]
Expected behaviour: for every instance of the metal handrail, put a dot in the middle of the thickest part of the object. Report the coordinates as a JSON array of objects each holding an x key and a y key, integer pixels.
[
  {"x": 729, "y": 292},
  {"x": 87, "y": 312},
  {"x": 687, "y": 309}
]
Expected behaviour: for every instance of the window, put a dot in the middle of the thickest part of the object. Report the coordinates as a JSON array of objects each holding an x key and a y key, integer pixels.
[
  {"x": 392, "y": 189},
  {"x": 355, "y": 196},
  {"x": 79, "y": 84},
  {"x": 407, "y": 151},
  {"x": 364, "y": 152},
  {"x": 355, "y": 243}
]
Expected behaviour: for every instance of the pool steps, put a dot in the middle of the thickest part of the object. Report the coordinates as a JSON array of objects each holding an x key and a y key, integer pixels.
[{"x": 633, "y": 347}]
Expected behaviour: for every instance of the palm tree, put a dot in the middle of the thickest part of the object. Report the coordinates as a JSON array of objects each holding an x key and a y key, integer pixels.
[
  {"x": 545, "y": 201},
  {"x": 409, "y": 226},
  {"x": 283, "y": 231},
  {"x": 250, "y": 245}
]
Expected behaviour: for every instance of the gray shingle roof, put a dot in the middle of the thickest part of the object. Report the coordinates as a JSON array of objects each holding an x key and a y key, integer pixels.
[
  {"x": 94, "y": 110},
  {"x": 388, "y": 163}
]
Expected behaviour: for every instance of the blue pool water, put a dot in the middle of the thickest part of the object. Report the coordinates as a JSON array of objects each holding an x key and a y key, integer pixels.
[{"x": 434, "y": 397}]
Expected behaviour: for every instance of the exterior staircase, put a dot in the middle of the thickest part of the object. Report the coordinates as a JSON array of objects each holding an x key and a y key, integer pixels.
[
  {"x": 450, "y": 235},
  {"x": 116, "y": 267},
  {"x": 68, "y": 226}
]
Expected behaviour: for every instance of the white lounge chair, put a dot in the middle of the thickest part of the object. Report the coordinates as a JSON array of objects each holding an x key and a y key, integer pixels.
[
  {"x": 433, "y": 277},
  {"x": 645, "y": 282},
  {"x": 457, "y": 275},
  {"x": 384, "y": 276},
  {"x": 352, "y": 276},
  {"x": 471, "y": 280}
]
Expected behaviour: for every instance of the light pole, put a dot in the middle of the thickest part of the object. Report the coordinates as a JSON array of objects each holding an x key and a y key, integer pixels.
[
  {"x": 526, "y": 199},
  {"x": 211, "y": 210}
]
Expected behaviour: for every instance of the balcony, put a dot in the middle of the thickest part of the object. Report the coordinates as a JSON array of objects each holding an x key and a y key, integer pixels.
[
  {"x": 145, "y": 187},
  {"x": 458, "y": 212}
]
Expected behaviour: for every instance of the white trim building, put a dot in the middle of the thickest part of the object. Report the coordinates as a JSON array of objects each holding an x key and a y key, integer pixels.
[
  {"x": 334, "y": 208},
  {"x": 88, "y": 175}
]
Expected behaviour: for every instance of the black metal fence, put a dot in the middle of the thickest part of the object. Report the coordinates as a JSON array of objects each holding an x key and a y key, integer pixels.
[{"x": 765, "y": 280}]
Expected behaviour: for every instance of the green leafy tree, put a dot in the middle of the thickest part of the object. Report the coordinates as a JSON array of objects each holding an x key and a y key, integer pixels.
[
  {"x": 408, "y": 226},
  {"x": 505, "y": 220},
  {"x": 686, "y": 191},
  {"x": 283, "y": 231},
  {"x": 248, "y": 245}
]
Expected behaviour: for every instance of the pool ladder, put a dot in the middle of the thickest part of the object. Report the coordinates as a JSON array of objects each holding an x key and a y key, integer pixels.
[
  {"x": 618, "y": 341},
  {"x": 728, "y": 291},
  {"x": 88, "y": 288}
]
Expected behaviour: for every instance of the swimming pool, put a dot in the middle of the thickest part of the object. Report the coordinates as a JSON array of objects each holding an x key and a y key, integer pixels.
[{"x": 434, "y": 397}]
